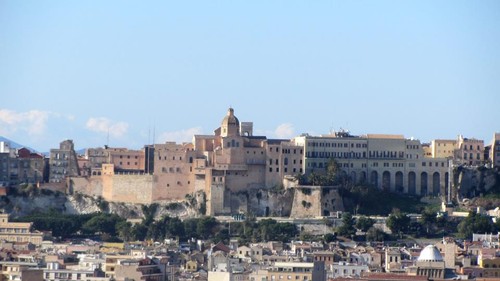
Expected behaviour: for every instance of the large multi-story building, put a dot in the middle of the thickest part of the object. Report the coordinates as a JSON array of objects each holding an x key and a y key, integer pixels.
[
  {"x": 390, "y": 162},
  {"x": 469, "y": 151},
  {"x": 63, "y": 162},
  {"x": 18, "y": 231},
  {"x": 32, "y": 166},
  {"x": 443, "y": 148},
  {"x": 21, "y": 166},
  {"x": 123, "y": 159}
]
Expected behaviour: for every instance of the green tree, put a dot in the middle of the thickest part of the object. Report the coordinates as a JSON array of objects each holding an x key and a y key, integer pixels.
[
  {"x": 375, "y": 234},
  {"x": 347, "y": 228},
  {"x": 102, "y": 223},
  {"x": 475, "y": 223},
  {"x": 175, "y": 228},
  {"x": 428, "y": 220},
  {"x": 205, "y": 227},
  {"x": 124, "y": 231},
  {"x": 139, "y": 231},
  {"x": 364, "y": 223},
  {"x": 329, "y": 237},
  {"x": 332, "y": 170},
  {"x": 398, "y": 223},
  {"x": 190, "y": 226}
]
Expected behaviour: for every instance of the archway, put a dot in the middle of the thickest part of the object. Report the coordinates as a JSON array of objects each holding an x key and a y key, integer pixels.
[
  {"x": 386, "y": 181},
  {"x": 412, "y": 183},
  {"x": 423, "y": 184},
  {"x": 362, "y": 177},
  {"x": 353, "y": 176},
  {"x": 399, "y": 182},
  {"x": 374, "y": 178},
  {"x": 436, "y": 187}
]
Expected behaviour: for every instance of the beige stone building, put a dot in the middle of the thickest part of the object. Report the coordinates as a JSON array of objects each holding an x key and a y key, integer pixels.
[
  {"x": 63, "y": 162},
  {"x": 495, "y": 150},
  {"x": 469, "y": 151},
  {"x": 19, "y": 231},
  {"x": 232, "y": 162},
  {"x": 390, "y": 162},
  {"x": 173, "y": 171},
  {"x": 314, "y": 271},
  {"x": 21, "y": 166},
  {"x": 443, "y": 148}
]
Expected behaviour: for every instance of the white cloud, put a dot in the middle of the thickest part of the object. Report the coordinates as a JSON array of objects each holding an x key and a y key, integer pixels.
[
  {"x": 284, "y": 131},
  {"x": 179, "y": 136},
  {"x": 105, "y": 125},
  {"x": 34, "y": 122}
]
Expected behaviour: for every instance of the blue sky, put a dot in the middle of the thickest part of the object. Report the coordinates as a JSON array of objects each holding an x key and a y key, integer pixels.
[{"x": 80, "y": 69}]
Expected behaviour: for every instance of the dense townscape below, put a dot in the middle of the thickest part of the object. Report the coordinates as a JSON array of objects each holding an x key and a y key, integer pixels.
[{"x": 234, "y": 206}]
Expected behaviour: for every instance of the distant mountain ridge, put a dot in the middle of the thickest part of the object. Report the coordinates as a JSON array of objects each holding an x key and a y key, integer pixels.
[{"x": 16, "y": 145}]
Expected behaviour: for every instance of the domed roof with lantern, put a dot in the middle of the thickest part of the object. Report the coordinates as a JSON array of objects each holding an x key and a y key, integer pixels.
[{"x": 230, "y": 119}]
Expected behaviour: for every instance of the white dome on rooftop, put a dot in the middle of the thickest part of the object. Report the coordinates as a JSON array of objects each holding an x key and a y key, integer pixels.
[{"x": 430, "y": 253}]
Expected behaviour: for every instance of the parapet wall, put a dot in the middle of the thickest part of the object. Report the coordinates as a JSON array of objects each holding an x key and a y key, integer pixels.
[{"x": 132, "y": 189}]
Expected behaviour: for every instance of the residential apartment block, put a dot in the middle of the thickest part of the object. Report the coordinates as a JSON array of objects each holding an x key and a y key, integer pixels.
[
  {"x": 18, "y": 231},
  {"x": 21, "y": 166},
  {"x": 63, "y": 162}
]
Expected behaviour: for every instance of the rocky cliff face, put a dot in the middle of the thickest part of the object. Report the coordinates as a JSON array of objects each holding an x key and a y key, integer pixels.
[
  {"x": 472, "y": 182},
  {"x": 259, "y": 202},
  {"x": 26, "y": 204}
]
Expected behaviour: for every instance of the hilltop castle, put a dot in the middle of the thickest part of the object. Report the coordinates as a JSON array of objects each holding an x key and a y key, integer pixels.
[{"x": 233, "y": 160}]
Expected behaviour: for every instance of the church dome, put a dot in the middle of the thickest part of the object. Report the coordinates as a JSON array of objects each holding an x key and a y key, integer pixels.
[
  {"x": 430, "y": 253},
  {"x": 230, "y": 119}
]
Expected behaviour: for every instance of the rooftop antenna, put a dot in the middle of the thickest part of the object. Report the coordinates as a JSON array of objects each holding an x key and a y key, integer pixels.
[
  {"x": 154, "y": 132},
  {"x": 107, "y": 138}
]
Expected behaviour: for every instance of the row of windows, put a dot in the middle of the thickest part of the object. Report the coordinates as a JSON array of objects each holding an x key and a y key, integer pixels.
[
  {"x": 171, "y": 170},
  {"x": 334, "y": 144},
  {"x": 128, "y": 163},
  {"x": 262, "y": 152},
  {"x": 386, "y": 154},
  {"x": 411, "y": 146},
  {"x": 436, "y": 164},
  {"x": 173, "y": 158},
  {"x": 376, "y": 164},
  {"x": 128, "y": 157},
  {"x": 470, "y": 147},
  {"x": 179, "y": 183},
  {"x": 285, "y": 161},
  {"x": 471, "y": 156},
  {"x": 315, "y": 154},
  {"x": 233, "y": 143},
  {"x": 289, "y": 151},
  {"x": 285, "y": 170}
]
